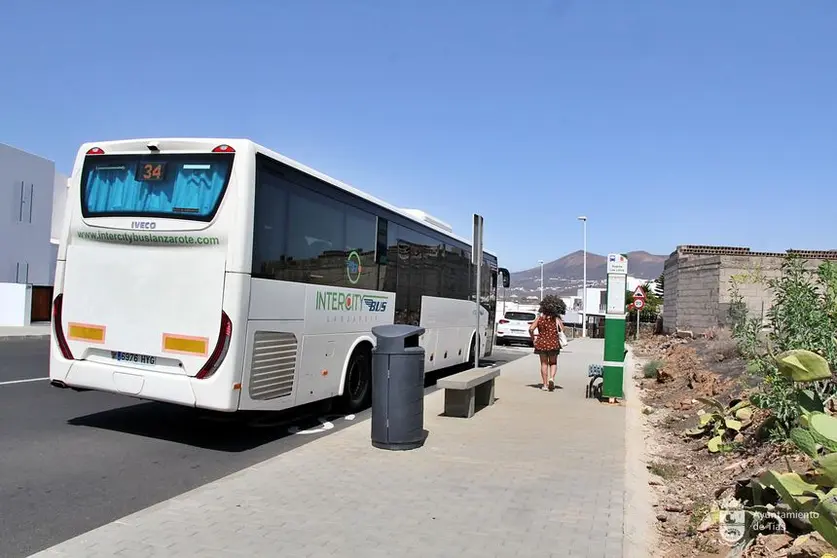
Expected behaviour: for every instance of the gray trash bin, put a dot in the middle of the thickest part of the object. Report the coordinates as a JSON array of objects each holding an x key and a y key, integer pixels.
[{"x": 397, "y": 388}]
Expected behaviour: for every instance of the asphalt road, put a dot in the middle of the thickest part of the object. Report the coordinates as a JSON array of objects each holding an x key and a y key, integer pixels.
[{"x": 71, "y": 462}]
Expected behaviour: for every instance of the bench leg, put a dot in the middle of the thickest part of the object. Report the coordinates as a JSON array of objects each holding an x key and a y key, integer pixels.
[
  {"x": 459, "y": 403},
  {"x": 485, "y": 393}
]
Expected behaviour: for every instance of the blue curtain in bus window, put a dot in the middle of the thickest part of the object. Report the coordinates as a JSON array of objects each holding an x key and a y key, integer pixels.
[{"x": 189, "y": 189}]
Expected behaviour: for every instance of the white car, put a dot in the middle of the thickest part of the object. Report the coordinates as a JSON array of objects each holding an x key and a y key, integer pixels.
[{"x": 514, "y": 327}]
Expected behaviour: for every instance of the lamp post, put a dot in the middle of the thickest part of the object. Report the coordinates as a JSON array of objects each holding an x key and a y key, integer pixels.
[
  {"x": 541, "y": 262},
  {"x": 583, "y": 219}
]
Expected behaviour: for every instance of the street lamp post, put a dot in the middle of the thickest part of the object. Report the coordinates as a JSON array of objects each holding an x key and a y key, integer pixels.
[
  {"x": 541, "y": 262},
  {"x": 583, "y": 219}
]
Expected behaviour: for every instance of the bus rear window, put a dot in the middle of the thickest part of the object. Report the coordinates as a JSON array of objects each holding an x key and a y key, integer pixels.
[{"x": 173, "y": 186}]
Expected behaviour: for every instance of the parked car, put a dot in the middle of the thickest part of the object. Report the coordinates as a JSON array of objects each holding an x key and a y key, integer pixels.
[{"x": 513, "y": 327}]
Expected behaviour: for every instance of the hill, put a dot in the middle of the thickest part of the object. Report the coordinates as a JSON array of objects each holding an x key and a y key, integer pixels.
[{"x": 566, "y": 274}]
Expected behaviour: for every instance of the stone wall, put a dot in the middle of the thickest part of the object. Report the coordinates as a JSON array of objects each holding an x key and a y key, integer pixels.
[
  {"x": 698, "y": 280},
  {"x": 691, "y": 292},
  {"x": 670, "y": 283},
  {"x": 751, "y": 275}
]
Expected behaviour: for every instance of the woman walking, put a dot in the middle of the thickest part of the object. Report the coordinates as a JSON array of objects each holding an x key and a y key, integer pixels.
[{"x": 546, "y": 342}]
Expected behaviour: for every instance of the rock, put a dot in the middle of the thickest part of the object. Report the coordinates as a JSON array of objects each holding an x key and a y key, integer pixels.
[
  {"x": 707, "y": 523},
  {"x": 685, "y": 334},
  {"x": 673, "y": 507},
  {"x": 776, "y": 542},
  {"x": 719, "y": 357},
  {"x": 739, "y": 438},
  {"x": 686, "y": 404},
  {"x": 655, "y": 482},
  {"x": 735, "y": 465},
  {"x": 664, "y": 376},
  {"x": 662, "y": 517},
  {"x": 809, "y": 546}
]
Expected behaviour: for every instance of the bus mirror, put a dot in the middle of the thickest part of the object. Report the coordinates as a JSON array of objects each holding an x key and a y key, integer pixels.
[{"x": 506, "y": 278}]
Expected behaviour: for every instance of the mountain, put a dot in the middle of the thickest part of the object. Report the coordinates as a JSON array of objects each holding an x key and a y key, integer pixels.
[{"x": 565, "y": 275}]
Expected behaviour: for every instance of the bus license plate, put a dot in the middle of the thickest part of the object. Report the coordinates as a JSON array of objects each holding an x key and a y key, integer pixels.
[{"x": 133, "y": 357}]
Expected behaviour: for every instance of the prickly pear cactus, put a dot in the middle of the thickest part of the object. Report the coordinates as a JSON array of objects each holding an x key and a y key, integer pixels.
[{"x": 804, "y": 441}]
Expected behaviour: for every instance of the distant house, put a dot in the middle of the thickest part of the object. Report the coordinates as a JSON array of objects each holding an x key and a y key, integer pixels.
[{"x": 34, "y": 197}]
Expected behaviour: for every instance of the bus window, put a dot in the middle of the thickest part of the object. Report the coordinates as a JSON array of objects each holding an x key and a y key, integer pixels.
[{"x": 171, "y": 186}]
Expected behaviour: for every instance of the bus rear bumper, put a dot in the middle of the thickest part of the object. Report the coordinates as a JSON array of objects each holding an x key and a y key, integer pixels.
[{"x": 143, "y": 384}]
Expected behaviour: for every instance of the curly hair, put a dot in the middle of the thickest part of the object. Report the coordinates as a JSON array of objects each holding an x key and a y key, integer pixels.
[{"x": 553, "y": 306}]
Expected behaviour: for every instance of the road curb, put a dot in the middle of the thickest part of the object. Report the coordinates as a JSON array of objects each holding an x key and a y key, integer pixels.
[{"x": 638, "y": 511}]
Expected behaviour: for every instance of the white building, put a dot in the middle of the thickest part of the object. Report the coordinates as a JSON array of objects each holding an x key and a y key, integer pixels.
[{"x": 34, "y": 196}]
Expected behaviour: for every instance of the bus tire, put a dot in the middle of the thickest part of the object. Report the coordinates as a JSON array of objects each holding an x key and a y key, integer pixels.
[{"x": 357, "y": 392}]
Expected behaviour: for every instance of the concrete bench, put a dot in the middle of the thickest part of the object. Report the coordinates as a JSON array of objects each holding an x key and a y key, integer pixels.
[{"x": 465, "y": 390}]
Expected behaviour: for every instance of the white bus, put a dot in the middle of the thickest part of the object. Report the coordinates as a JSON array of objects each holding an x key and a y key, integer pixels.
[{"x": 217, "y": 274}]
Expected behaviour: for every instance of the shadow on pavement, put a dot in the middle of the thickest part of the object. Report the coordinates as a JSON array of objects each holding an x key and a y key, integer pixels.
[
  {"x": 235, "y": 432},
  {"x": 241, "y": 431}
]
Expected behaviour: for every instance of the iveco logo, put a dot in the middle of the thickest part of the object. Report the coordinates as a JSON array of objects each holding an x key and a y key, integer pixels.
[{"x": 143, "y": 225}]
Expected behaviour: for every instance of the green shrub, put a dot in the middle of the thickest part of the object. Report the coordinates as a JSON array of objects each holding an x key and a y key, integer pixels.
[
  {"x": 652, "y": 368},
  {"x": 803, "y": 317}
]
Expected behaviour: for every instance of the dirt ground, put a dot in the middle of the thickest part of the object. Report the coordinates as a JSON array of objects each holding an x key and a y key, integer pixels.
[{"x": 685, "y": 477}]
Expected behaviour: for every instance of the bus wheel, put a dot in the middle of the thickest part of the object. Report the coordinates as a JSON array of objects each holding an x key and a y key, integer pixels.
[{"x": 357, "y": 392}]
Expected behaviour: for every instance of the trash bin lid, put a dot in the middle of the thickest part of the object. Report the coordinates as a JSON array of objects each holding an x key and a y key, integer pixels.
[{"x": 391, "y": 337}]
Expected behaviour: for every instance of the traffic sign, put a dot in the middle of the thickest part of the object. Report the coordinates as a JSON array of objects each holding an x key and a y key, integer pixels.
[
  {"x": 639, "y": 303},
  {"x": 639, "y": 293}
]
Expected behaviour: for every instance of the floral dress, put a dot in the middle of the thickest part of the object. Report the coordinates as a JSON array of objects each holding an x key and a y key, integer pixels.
[{"x": 547, "y": 342}]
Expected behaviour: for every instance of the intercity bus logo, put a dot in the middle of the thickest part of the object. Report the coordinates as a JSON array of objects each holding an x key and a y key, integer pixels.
[{"x": 348, "y": 302}]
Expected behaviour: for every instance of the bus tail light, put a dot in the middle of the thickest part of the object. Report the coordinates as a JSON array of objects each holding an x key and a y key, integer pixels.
[
  {"x": 221, "y": 348},
  {"x": 95, "y": 151},
  {"x": 57, "y": 307},
  {"x": 223, "y": 149}
]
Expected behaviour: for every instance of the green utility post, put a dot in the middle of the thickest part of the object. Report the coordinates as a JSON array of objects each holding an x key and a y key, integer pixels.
[{"x": 614, "y": 347}]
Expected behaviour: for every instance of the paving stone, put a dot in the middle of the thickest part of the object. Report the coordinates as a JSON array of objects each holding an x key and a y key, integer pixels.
[{"x": 537, "y": 474}]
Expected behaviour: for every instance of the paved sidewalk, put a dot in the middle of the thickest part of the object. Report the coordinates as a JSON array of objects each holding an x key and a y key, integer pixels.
[
  {"x": 537, "y": 474},
  {"x": 36, "y": 330}
]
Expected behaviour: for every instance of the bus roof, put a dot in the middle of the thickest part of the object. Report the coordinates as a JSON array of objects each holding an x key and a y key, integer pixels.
[{"x": 181, "y": 144}]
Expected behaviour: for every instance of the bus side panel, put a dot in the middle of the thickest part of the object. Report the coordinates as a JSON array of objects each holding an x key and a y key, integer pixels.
[
  {"x": 336, "y": 319},
  {"x": 274, "y": 333},
  {"x": 271, "y": 365},
  {"x": 450, "y": 325}
]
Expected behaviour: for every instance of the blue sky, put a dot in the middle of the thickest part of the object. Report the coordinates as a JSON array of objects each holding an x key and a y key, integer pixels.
[{"x": 664, "y": 122}]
